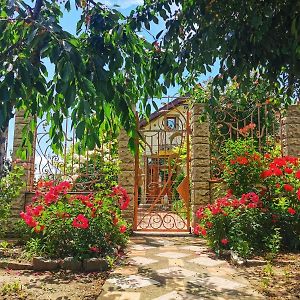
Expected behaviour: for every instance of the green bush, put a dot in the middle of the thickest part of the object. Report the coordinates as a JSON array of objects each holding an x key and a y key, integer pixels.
[
  {"x": 10, "y": 187},
  {"x": 243, "y": 166},
  {"x": 76, "y": 225},
  {"x": 261, "y": 211}
]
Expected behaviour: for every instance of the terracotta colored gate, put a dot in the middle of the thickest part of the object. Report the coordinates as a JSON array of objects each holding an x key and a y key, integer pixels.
[{"x": 162, "y": 200}]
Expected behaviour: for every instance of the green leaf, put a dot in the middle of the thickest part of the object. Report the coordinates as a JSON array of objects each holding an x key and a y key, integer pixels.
[{"x": 80, "y": 128}]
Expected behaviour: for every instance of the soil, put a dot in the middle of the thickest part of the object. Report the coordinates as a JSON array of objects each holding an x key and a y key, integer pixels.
[
  {"x": 60, "y": 285},
  {"x": 278, "y": 279}
]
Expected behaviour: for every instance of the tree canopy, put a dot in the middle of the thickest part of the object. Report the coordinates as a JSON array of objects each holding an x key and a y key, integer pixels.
[
  {"x": 99, "y": 74},
  {"x": 246, "y": 36}
]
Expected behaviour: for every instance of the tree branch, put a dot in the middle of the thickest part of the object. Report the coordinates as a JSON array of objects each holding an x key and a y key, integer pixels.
[{"x": 37, "y": 9}]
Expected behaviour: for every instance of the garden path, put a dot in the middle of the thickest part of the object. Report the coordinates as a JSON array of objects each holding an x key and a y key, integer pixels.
[{"x": 179, "y": 268}]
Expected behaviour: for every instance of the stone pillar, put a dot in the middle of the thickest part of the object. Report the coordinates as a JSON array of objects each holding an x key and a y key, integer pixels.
[
  {"x": 291, "y": 131},
  {"x": 200, "y": 161},
  {"x": 27, "y": 163},
  {"x": 126, "y": 176}
]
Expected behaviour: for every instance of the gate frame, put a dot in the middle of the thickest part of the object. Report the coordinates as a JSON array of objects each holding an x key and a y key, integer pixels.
[{"x": 188, "y": 175}]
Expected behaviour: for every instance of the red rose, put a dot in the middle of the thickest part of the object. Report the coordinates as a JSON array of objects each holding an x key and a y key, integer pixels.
[
  {"x": 267, "y": 156},
  {"x": 122, "y": 228},
  {"x": 288, "y": 170},
  {"x": 80, "y": 222},
  {"x": 297, "y": 174},
  {"x": 288, "y": 187},
  {"x": 291, "y": 211},
  {"x": 197, "y": 229},
  {"x": 224, "y": 241},
  {"x": 298, "y": 194}
]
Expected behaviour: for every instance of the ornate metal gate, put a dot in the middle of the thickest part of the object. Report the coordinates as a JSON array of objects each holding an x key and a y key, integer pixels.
[{"x": 162, "y": 198}]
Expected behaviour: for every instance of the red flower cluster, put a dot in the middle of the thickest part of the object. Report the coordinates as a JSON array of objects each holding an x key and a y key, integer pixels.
[
  {"x": 280, "y": 166},
  {"x": 124, "y": 198},
  {"x": 247, "y": 128},
  {"x": 81, "y": 222},
  {"x": 241, "y": 160},
  {"x": 55, "y": 191},
  {"x": 199, "y": 230},
  {"x": 249, "y": 200},
  {"x": 29, "y": 217}
]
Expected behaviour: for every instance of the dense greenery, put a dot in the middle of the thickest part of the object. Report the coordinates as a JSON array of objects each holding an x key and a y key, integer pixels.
[
  {"x": 98, "y": 73},
  {"x": 10, "y": 187},
  {"x": 253, "y": 35}
]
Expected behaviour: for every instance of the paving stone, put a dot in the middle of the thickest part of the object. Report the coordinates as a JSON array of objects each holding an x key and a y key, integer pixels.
[
  {"x": 176, "y": 272},
  {"x": 141, "y": 247},
  {"x": 170, "y": 269},
  {"x": 195, "y": 248},
  {"x": 143, "y": 261},
  {"x": 131, "y": 281},
  {"x": 121, "y": 296},
  {"x": 177, "y": 296},
  {"x": 218, "y": 283},
  {"x": 172, "y": 254},
  {"x": 207, "y": 261}
]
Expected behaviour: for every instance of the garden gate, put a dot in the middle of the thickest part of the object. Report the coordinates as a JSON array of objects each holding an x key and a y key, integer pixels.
[{"x": 162, "y": 197}]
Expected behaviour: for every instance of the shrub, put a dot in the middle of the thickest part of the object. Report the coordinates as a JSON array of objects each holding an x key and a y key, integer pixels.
[
  {"x": 235, "y": 223},
  {"x": 10, "y": 187},
  {"x": 76, "y": 225},
  {"x": 281, "y": 194},
  {"x": 262, "y": 221},
  {"x": 243, "y": 166}
]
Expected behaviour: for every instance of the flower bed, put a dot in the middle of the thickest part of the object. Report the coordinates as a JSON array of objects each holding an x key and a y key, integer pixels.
[{"x": 81, "y": 226}]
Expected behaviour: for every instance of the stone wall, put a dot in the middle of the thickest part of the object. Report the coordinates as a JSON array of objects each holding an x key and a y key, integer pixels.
[
  {"x": 291, "y": 131},
  {"x": 200, "y": 161},
  {"x": 28, "y": 163},
  {"x": 127, "y": 173}
]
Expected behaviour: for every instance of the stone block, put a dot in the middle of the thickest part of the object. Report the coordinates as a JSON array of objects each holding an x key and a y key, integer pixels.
[
  {"x": 200, "y": 196},
  {"x": 95, "y": 265},
  {"x": 200, "y": 162},
  {"x": 126, "y": 179},
  {"x": 15, "y": 265},
  {"x": 200, "y": 140},
  {"x": 197, "y": 109},
  {"x": 200, "y": 151},
  {"x": 293, "y": 111},
  {"x": 70, "y": 263},
  {"x": 42, "y": 264},
  {"x": 125, "y": 166},
  {"x": 200, "y": 129},
  {"x": 291, "y": 120},
  {"x": 200, "y": 174},
  {"x": 196, "y": 185}
]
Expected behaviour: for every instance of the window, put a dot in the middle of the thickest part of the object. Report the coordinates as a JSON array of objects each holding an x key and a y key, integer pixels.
[{"x": 171, "y": 123}]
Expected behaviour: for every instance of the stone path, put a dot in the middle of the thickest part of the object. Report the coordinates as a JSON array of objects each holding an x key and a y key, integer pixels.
[{"x": 174, "y": 268}]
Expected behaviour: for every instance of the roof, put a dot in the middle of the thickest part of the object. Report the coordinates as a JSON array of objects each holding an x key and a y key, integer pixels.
[{"x": 163, "y": 110}]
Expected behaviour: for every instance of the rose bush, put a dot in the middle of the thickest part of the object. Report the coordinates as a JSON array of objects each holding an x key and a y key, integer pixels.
[
  {"x": 64, "y": 224},
  {"x": 261, "y": 211},
  {"x": 243, "y": 165}
]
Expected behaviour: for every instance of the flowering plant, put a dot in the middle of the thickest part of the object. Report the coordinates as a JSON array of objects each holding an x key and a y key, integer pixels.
[
  {"x": 281, "y": 194},
  {"x": 76, "y": 224},
  {"x": 251, "y": 222},
  {"x": 243, "y": 166},
  {"x": 234, "y": 223}
]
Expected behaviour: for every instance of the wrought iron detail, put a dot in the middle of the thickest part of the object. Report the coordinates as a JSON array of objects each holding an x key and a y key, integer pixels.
[{"x": 164, "y": 156}]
